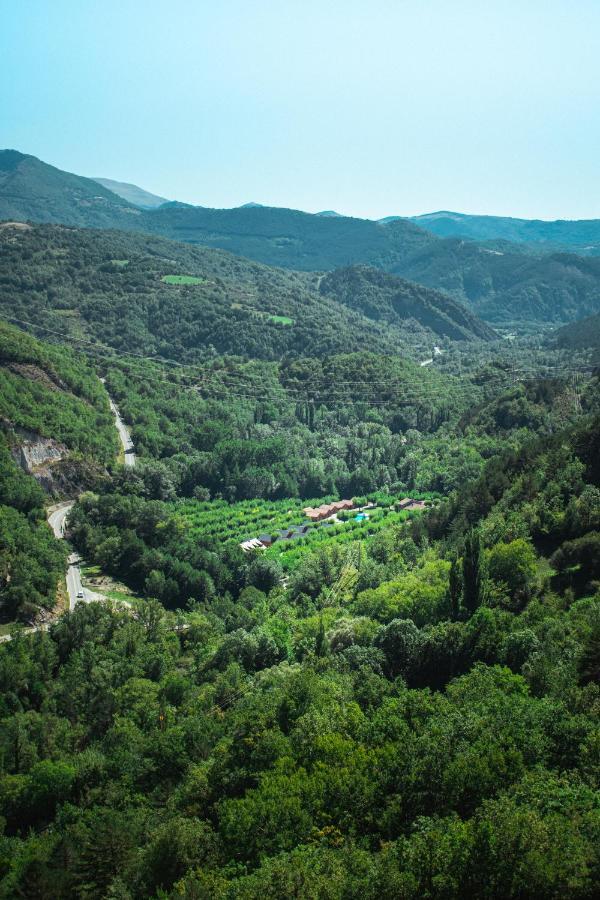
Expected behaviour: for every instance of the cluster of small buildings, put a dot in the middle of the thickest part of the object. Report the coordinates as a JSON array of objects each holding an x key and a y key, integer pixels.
[
  {"x": 327, "y": 511},
  {"x": 317, "y": 513},
  {"x": 313, "y": 514}
]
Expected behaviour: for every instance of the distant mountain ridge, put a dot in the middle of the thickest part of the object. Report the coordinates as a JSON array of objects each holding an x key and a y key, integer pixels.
[
  {"x": 504, "y": 283},
  {"x": 132, "y": 193},
  {"x": 583, "y": 234}
]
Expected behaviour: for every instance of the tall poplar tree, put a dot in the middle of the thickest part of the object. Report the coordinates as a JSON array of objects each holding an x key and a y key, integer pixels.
[{"x": 473, "y": 572}]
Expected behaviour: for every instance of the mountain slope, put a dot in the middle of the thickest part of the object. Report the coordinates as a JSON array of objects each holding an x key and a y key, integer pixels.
[
  {"x": 56, "y": 432},
  {"x": 506, "y": 287},
  {"x": 31, "y": 189},
  {"x": 387, "y": 298},
  {"x": 152, "y": 296},
  {"x": 132, "y": 193},
  {"x": 579, "y": 335},
  {"x": 502, "y": 283},
  {"x": 48, "y": 393}
]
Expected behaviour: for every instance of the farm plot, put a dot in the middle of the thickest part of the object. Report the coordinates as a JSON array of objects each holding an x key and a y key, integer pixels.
[
  {"x": 289, "y": 553},
  {"x": 222, "y": 521},
  {"x": 217, "y": 522},
  {"x": 182, "y": 279}
]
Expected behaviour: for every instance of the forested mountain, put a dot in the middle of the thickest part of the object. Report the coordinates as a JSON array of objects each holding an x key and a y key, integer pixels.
[
  {"x": 152, "y": 296},
  {"x": 506, "y": 287},
  {"x": 582, "y": 236},
  {"x": 387, "y": 298},
  {"x": 32, "y": 190},
  {"x": 501, "y": 283},
  {"x": 579, "y": 335},
  {"x": 132, "y": 193},
  {"x": 288, "y": 237}
]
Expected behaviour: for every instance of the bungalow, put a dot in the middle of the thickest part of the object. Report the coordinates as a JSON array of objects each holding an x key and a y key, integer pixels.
[
  {"x": 326, "y": 510},
  {"x": 409, "y": 503}
]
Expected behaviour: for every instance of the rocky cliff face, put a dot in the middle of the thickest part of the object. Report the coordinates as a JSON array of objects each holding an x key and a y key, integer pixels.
[
  {"x": 36, "y": 451},
  {"x": 52, "y": 465}
]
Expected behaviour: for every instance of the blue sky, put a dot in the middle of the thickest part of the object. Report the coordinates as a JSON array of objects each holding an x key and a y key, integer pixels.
[{"x": 370, "y": 108}]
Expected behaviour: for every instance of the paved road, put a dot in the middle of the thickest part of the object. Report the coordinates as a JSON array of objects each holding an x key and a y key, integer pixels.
[
  {"x": 124, "y": 435},
  {"x": 57, "y": 515},
  {"x": 77, "y": 593}
]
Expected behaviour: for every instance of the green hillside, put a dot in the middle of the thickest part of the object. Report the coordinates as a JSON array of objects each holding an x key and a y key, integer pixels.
[
  {"x": 56, "y": 431},
  {"x": 32, "y": 190},
  {"x": 506, "y": 287},
  {"x": 51, "y": 392},
  {"x": 579, "y": 335},
  {"x": 153, "y": 297},
  {"x": 288, "y": 237},
  {"x": 32, "y": 561},
  {"x": 387, "y": 298}
]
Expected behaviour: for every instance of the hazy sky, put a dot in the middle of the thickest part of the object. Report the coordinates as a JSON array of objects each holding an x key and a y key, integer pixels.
[{"x": 370, "y": 108}]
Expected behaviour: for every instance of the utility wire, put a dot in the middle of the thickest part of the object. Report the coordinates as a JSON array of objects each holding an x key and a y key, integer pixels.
[{"x": 408, "y": 391}]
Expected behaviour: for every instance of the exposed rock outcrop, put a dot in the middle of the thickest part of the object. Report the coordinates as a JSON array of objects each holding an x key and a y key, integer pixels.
[
  {"x": 52, "y": 464},
  {"x": 33, "y": 451}
]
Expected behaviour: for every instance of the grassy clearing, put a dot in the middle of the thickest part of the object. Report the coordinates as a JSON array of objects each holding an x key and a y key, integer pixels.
[
  {"x": 121, "y": 263},
  {"x": 182, "y": 279},
  {"x": 95, "y": 579},
  {"x": 281, "y": 320}
]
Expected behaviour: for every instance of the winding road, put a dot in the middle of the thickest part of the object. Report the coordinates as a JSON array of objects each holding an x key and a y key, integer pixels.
[{"x": 56, "y": 517}]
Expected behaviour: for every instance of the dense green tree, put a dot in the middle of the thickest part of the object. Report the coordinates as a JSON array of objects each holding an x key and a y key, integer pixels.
[{"x": 473, "y": 572}]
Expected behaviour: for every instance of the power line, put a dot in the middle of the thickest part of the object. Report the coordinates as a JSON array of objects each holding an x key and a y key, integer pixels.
[
  {"x": 408, "y": 391},
  {"x": 167, "y": 361}
]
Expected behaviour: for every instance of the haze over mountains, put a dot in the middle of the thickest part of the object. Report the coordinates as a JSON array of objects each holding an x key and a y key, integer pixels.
[
  {"x": 132, "y": 193},
  {"x": 33, "y": 190},
  {"x": 505, "y": 283}
]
